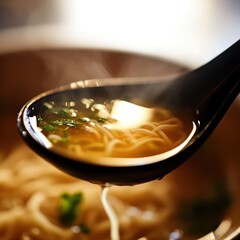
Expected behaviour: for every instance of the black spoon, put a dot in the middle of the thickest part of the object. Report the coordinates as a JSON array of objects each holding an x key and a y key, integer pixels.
[{"x": 203, "y": 96}]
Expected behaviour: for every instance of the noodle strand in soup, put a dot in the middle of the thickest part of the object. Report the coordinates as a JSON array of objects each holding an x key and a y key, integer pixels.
[{"x": 114, "y": 225}]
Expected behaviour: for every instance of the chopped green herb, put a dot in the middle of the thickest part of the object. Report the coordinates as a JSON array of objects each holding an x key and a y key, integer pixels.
[
  {"x": 101, "y": 120},
  {"x": 93, "y": 115},
  {"x": 203, "y": 214},
  {"x": 71, "y": 123},
  {"x": 45, "y": 125},
  {"x": 84, "y": 228},
  {"x": 70, "y": 207},
  {"x": 48, "y": 127},
  {"x": 63, "y": 122}
]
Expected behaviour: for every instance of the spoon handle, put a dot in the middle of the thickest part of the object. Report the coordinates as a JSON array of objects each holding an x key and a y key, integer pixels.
[
  {"x": 212, "y": 88},
  {"x": 221, "y": 86},
  {"x": 221, "y": 96}
]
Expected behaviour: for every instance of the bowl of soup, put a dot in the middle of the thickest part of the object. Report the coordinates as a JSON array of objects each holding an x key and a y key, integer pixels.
[{"x": 198, "y": 200}]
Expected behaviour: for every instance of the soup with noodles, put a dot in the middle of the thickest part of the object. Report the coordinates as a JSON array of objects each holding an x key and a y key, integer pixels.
[
  {"x": 39, "y": 202},
  {"x": 114, "y": 128}
]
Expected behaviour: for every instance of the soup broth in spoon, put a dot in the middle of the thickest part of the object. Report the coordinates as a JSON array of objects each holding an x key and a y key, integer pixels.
[{"x": 108, "y": 130}]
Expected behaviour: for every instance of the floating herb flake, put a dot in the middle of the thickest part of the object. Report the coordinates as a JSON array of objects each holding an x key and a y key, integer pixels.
[{"x": 70, "y": 207}]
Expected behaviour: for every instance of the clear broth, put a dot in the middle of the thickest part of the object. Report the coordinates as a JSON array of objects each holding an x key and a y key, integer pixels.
[{"x": 113, "y": 128}]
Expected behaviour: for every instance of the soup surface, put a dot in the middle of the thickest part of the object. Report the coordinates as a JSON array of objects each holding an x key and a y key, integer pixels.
[{"x": 113, "y": 128}]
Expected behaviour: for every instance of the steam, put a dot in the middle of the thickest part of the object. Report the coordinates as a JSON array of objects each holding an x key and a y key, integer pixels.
[{"x": 66, "y": 66}]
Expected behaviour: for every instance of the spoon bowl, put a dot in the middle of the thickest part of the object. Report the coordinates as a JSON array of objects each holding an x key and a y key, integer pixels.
[{"x": 200, "y": 98}]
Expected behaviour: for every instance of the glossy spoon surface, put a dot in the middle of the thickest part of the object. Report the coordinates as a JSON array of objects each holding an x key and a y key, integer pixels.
[{"x": 200, "y": 97}]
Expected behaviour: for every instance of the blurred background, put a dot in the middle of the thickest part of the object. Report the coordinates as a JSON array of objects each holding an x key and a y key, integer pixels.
[{"x": 185, "y": 31}]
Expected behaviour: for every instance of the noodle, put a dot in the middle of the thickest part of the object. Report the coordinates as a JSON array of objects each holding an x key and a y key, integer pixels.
[
  {"x": 34, "y": 189},
  {"x": 111, "y": 215},
  {"x": 29, "y": 203}
]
